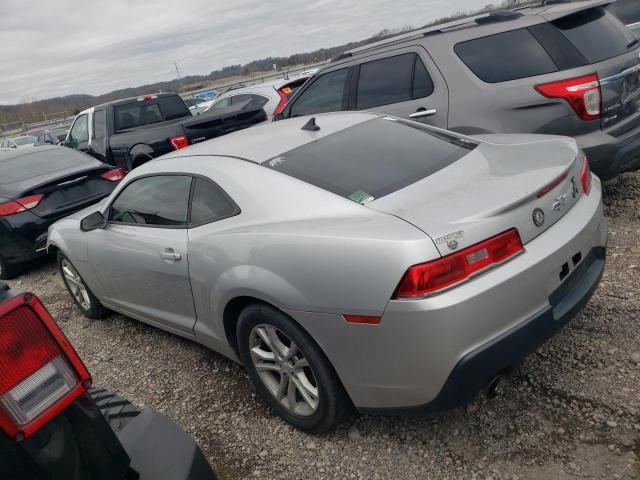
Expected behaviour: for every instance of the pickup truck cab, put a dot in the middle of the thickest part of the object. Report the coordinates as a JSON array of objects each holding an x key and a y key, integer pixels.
[{"x": 127, "y": 133}]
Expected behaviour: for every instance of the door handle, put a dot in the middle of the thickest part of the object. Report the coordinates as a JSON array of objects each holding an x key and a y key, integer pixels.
[
  {"x": 423, "y": 113},
  {"x": 170, "y": 256}
]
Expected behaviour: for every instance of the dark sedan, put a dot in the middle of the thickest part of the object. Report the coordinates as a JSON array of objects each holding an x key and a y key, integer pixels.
[{"x": 39, "y": 186}]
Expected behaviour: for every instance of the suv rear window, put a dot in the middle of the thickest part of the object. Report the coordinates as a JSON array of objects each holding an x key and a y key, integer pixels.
[
  {"x": 506, "y": 56},
  {"x": 597, "y": 34},
  {"x": 145, "y": 112},
  {"x": 586, "y": 37},
  {"x": 361, "y": 164},
  {"x": 325, "y": 94}
]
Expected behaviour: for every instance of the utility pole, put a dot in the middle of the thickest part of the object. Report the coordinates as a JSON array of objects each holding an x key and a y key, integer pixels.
[{"x": 179, "y": 77}]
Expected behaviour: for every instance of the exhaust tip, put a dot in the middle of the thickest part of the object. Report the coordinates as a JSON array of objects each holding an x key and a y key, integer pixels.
[{"x": 494, "y": 387}]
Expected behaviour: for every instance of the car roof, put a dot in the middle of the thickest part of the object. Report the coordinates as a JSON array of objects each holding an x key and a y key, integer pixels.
[
  {"x": 507, "y": 18},
  {"x": 11, "y": 153},
  {"x": 270, "y": 86},
  {"x": 271, "y": 139}
]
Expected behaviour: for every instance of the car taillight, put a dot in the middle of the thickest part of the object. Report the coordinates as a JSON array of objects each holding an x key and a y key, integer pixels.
[
  {"x": 582, "y": 93},
  {"x": 179, "y": 142},
  {"x": 114, "y": 175},
  {"x": 20, "y": 205},
  {"x": 40, "y": 372},
  {"x": 428, "y": 278},
  {"x": 585, "y": 175},
  {"x": 283, "y": 103}
]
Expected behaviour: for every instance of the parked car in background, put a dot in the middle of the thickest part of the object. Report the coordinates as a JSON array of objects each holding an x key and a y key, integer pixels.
[
  {"x": 344, "y": 268},
  {"x": 635, "y": 28},
  {"x": 53, "y": 425},
  {"x": 200, "y": 107},
  {"x": 53, "y": 137},
  {"x": 270, "y": 96},
  {"x": 19, "y": 142},
  {"x": 550, "y": 77},
  {"x": 628, "y": 11},
  {"x": 127, "y": 133},
  {"x": 38, "y": 187}
]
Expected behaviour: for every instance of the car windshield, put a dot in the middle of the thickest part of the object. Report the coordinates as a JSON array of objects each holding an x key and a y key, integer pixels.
[
  {"x": 20, "y": 141},
  {"x": 360, "y": 163}
]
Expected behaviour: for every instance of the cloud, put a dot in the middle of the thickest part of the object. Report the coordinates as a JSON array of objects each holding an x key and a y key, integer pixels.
[{"x": 74, "y": 46}]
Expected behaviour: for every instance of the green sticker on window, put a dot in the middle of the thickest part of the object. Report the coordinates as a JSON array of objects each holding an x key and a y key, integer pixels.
[{"x": 361, "y": 197}]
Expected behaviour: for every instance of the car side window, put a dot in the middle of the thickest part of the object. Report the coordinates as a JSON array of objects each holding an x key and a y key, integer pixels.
[
  {"x": 80, "y": 131},
  {"x": 161, "y": 200},
  {"x": 325, "y": 94},
  {"x": 392, "y": 80},
  {"x": 99, "y": 124},
  {"x": 209, "y": 203},
  {"x": 224, "y": 103},
  {"x": 258, "y": 101}
]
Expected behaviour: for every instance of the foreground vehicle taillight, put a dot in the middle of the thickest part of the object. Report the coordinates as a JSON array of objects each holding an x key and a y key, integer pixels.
[
  {"x": 582, "y": 93},
  {"x": 431, "y": 277},
  {"x": 283, "y": 101},
  {"x": 20, "y": 205},
  {"x": 179, "y": 142},
  {"x": 40, "y": 372},
  {"x": 114, "y": 175},
  {"x": 585, "y": 175}
]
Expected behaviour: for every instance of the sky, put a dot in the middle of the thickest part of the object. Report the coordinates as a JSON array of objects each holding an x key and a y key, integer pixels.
[{"x": 63, "y": 47}]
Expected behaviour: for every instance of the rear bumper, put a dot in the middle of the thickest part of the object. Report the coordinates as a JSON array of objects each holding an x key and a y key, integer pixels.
[
  {"x": 23, "y": 237},
  {"x": 608, "y": 155},
  {"x": 477, "y": 368}
]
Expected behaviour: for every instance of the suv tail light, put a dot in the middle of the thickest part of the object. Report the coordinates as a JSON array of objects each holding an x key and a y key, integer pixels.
[
  {"x": 40, "y": 372},
  {"x": 114, "y": 175},
  {"x": 431, "y": 277},
  {"x": 582, "y": 93},
  {"x": 179, "y": 142},
  {"x": 283, "y": 102},
  {"x": 585, "y": 175},
  {"x": 20, "y": 205}
]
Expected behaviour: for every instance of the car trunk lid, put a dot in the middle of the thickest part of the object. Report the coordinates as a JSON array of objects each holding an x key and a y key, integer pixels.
[{"x": 494, "y": 188}]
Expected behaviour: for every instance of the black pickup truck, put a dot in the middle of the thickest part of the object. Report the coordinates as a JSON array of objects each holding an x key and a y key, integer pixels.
[
  {"x": 55, "y": 426},
  {"x": 127, "y": 133}
]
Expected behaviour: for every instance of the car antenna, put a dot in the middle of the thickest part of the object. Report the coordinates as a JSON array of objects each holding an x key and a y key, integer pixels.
[{"x": 311, "y": 125}]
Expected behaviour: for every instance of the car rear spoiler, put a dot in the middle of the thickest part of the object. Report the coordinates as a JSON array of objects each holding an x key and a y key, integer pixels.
[{"x": 559, "y": 10}]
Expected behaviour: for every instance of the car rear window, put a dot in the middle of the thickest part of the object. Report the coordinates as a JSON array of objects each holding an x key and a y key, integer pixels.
[
  {"x": 361, "y": 164},
  {"x": 146, "y": 112},
  {"x": 42, "y": 161},
  {"x": 597, "y": 34},
  {"x": 580, "y": 39},
  {"x": 506, "y": 56}
]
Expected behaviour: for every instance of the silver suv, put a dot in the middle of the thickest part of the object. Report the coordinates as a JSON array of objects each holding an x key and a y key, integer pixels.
[{"x": 567, "y": 69}]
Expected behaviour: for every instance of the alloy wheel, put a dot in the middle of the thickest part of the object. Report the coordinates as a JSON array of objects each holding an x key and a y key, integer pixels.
[
  {"x": 284, "y": 370},
  {"x": 76, "y": 285}
]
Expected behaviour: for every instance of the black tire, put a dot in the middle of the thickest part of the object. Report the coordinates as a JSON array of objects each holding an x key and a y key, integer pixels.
[
  {"x": 116, "y": 410},
  {"x": 94, "y": 310},
  {"x": 333, "y": 405},
  {"x": 9, "y": 270}
]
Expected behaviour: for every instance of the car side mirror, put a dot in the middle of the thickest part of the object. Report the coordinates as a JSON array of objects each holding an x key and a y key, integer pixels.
[{"x": 93, "y": 222}]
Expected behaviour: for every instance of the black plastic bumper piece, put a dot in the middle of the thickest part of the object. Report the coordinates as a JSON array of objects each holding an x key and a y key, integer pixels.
[
  {"x": 476, "y": 369},
  {"x": 160, "y": 450}
]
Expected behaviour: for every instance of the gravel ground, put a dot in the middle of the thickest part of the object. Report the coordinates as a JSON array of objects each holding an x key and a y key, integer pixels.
[{"x": 571, "y": 411}]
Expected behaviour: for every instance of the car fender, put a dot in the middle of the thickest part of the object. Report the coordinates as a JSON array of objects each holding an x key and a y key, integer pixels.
[{"x": 141, "y": 149}]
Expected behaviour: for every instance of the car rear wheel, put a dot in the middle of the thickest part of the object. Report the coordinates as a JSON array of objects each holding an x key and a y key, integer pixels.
[
  {"x": 77, "y": 288},
  {"x": 289, "y": 370},
  {"x": 8, "y": 270}
]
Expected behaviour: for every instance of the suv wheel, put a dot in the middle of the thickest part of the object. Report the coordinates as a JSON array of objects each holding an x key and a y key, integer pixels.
[
  {"x": 289, "y": 370},
  {"x": 82, "y": 296}
]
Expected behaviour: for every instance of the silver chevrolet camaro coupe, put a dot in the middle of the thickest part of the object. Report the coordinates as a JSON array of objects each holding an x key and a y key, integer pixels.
[{"x": 350, "y": 259}]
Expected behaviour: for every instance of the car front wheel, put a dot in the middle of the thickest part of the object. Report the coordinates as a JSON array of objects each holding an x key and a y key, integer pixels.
[
  {"x": 80, "y": 293},
  {"x": 289, "y": 370}
]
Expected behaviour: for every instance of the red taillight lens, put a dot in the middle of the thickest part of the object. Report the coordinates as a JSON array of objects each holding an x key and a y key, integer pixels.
[
  {"x": 179, "y": 142},
  {"x": 428, "y": 278},
  {"x": 582, "y": 93},
  {"x": 40, "y": 372},
  {"x": 114, "y": 175},
  {"x": 585, "y": 175},
  {"x": 283, "y": 102},
  {"x": 362, "y": 319},
  {"x": 20, "y": 205}
]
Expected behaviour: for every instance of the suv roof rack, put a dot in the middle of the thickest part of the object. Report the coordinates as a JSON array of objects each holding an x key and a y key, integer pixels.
[{"x": 499, "y": 16}]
